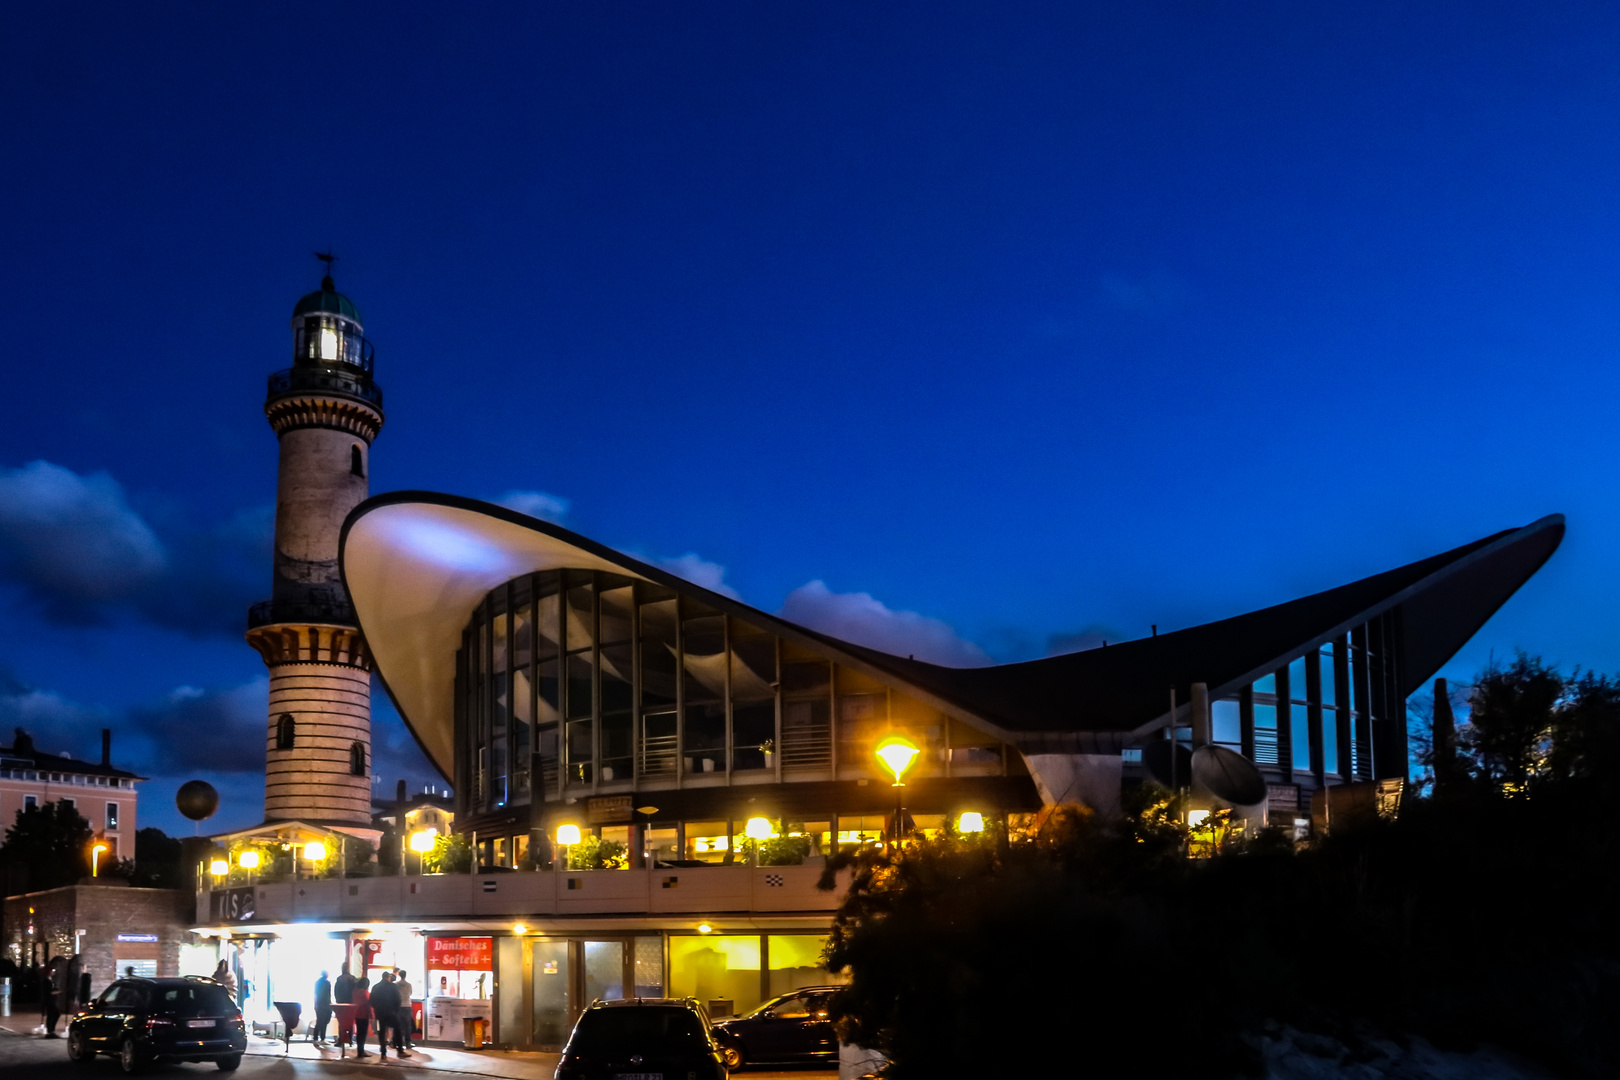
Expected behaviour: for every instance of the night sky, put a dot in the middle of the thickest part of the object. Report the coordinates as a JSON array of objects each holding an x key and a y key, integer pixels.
[{"x": 975, "y": 331}]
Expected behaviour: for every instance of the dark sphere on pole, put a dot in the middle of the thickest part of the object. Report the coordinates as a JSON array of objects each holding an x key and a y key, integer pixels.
[{"x": 197, "y": 799}]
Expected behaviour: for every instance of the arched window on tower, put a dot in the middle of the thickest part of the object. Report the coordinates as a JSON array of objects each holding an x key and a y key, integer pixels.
[
  {"x": 286, "y": 729},
  {"x": 357, "y": 759},
  {"x": 356, "y": 465}
]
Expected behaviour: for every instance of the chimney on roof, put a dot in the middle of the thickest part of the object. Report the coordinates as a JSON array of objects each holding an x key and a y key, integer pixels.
[
  {"x": 106, "y": 746},
  {"x": 21, "y": 743},
  {"x": 399, "y": 793}
]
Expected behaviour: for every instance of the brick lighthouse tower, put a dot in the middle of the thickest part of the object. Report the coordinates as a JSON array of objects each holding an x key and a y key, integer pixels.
[{"x": 325, "y": 410}]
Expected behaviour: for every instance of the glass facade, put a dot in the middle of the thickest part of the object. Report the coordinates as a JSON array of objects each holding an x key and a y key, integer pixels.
[
  {"x": 581, "y": 681},
  {"x": 1334, "y": 711}
]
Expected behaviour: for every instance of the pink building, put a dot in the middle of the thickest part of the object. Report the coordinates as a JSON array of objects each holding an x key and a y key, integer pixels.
[{"x": 103, "y": 795}]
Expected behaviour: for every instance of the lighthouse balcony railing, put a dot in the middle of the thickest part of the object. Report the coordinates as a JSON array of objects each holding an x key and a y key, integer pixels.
[
  {"x": 270, "y": 612},
  {"x": 329, "y": 379}
]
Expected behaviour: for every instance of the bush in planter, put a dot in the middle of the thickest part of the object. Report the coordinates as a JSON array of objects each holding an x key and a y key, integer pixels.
[
  {"x": 594, "y": 853},
  {"x": 784, "y": 850}
]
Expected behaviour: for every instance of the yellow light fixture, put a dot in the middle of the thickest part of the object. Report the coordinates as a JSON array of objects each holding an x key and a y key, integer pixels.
[
  {"x": 897, "y": 753},
  {"x": 758, "y": 828},
  {"x": 314, "y": 851},
  {"x": 705, "y": 928},
  {"x": 970, "y": 822},
  {"x": 422, "y": 840},
  {"x": 95, "y": 858},
  {"x": 568, "y": 835},
  {"x": 519, "y": 928},
  {"x": 219, "y": 868},
  {"x": 248, "y": 859}
]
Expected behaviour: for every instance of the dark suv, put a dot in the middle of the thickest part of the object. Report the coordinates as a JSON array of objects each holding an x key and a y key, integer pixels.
[
  {"x": 641, "y": 1039},
  {"x": 793, "y": 1027},
  {"x": 143, "y": 1020}
]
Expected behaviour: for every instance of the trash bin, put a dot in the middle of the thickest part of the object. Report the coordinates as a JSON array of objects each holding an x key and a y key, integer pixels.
[
  {"x": 473, "y": 1029},
  {"x": 290, "y": 1012}
]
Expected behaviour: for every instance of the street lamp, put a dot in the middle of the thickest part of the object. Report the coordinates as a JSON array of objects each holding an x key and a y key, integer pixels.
[
  {"x": 248, "y": 860},
  {"x": 757, "y": 829},
  {"x": 970, "y": 822},
  {"x": 219, "y": 868},
  {"x": 897, "y": 753},
  {"x": 422, "y": 841},
  {"x": 315, "y": 852},
  {"x": 567, "y": 837},
  {"x": 95, "y": 858}
]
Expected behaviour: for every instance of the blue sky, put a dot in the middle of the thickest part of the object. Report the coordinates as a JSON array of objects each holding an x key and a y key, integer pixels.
[{"x": 1034, "y": 324}]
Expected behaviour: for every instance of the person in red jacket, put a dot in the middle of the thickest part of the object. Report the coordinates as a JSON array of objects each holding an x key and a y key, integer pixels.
[{"x": 362, "y": 1014}]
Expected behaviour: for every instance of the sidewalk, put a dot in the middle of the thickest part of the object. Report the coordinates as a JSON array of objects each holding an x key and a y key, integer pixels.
[
  {"x": 503, "y": 1063},
  {"x": 509, "y": 1065}
]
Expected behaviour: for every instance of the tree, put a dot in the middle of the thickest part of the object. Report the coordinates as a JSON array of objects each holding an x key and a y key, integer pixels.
[
  {"x": 51, "y": 842},
  {"x": 158, "y": 858},
  {"x": 1512, "y": 716}
]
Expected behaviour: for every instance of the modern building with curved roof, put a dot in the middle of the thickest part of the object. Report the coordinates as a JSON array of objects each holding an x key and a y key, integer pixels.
[{"x": 554, "y": 680}]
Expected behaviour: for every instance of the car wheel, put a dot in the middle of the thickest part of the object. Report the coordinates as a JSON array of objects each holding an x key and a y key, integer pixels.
[
  {"x": 732, "y": 1056},
  {"x": 129, "y": 1056},
  {"x": 228, "y": 1063},
  {"x": 78, "y": 1046}
]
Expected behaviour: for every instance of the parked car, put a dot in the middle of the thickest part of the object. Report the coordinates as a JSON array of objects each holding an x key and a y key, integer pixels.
[
  {"x": 641, "y": 1039},
  {"x": 142, "y": 1020},
  {"x": 793, "y": 1027}
]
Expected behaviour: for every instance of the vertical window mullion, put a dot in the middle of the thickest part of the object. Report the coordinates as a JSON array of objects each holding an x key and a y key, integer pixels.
[
  {"x": 596, "y": 680},
  {"x": 725, "y": 706}
]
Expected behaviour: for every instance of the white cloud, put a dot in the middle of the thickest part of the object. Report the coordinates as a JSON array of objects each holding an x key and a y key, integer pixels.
[
  {"x": 537, "y": 504},
  {"x": 862, "y": 619},
  {"x": 72, "y": 537},
  {"x": 701, "y": 572}
]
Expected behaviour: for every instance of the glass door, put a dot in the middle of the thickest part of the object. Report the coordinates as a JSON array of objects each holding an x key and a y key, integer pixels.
[
  {"x": 604, "y": 971},
  {"x": 552, "y": 1014}
]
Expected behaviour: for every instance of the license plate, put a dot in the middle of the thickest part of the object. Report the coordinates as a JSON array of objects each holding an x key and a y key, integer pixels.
[{"x": 199, "y": 1023}]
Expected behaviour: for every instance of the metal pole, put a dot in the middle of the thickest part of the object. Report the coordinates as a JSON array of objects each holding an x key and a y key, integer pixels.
[{"x": 1175, "y": 747}]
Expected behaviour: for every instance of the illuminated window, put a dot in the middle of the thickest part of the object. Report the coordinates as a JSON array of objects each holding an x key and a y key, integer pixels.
[{"x": 329, "y": 344}]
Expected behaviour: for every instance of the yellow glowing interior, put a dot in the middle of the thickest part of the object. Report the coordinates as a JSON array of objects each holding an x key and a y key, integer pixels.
[
  {"x": 897, "y": 754},
  {"x": 1196, "y": 818}
]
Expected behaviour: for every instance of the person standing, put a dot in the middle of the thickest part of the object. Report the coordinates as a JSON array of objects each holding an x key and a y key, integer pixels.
[
  {"x": 323, "y": 1008},
  {"x": 343, "y": 988},
  {"x": 362, "y": 1014},
  {"x": 385, "y": 1007},
  {"x": 55, "y": 974},
  {"x": 223, "y": 976},
  {"x": 73, "y": 975},
  {"x": 407, "y": 1015}
]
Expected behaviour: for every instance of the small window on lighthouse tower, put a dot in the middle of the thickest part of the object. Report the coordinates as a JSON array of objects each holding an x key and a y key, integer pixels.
[
  {"x": 356, "y": 466},
  {"x": 286, "y": 728},
  {"x": 357, "y": 759},
  {"x": 329, "y": 344}
]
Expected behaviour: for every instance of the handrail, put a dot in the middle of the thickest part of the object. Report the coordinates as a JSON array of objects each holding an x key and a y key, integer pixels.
[{"x": 294, "y": 379}]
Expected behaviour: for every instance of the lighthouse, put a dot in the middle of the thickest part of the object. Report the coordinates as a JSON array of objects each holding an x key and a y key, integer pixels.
[{"x": 325, "y": 410}]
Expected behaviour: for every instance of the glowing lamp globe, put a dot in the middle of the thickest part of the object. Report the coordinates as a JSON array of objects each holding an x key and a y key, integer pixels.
[
  {"x": 896, "y": 754},
  {"x": 248, "y": 860},
  {"x": 758, "y": 828},
  {"x": 970, "y": 822},
  {"x": 219, "y": 868},
  {"x": 568, "y": 835},
  {"x": 314, "y": 851},
  {"x": 422, "y": 840}
]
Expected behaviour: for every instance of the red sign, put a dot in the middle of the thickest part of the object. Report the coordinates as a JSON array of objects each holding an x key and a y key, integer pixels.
[{"x": 460, "y": 954}]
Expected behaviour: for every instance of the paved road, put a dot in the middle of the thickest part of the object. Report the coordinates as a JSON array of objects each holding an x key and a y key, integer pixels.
[{"x": 25, "y": 1057}]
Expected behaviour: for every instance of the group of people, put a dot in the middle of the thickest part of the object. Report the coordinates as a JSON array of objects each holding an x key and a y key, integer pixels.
[
  {"x": 388, "y": 1003},
  {"x": 66, "y": 983}
]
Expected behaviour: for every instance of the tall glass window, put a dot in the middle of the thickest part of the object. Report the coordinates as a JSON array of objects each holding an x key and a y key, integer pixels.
[
  {"x": 660, "y": 727},
  {"x": 617, "y": 662},
  {"x": 580, "y": 676},
  {"x": 703, "y": 686},
  {"x": 753, "y": 698}
]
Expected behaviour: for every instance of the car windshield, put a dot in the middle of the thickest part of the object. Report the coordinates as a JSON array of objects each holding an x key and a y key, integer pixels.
[
  {"x": 194, "y": 999},
  {"x": 645, "y": 1027},
  {"x": 760, "y": 1010}
]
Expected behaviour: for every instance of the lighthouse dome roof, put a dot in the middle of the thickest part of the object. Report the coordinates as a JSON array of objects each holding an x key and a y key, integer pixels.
[{"x": 327, "y": 299}]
